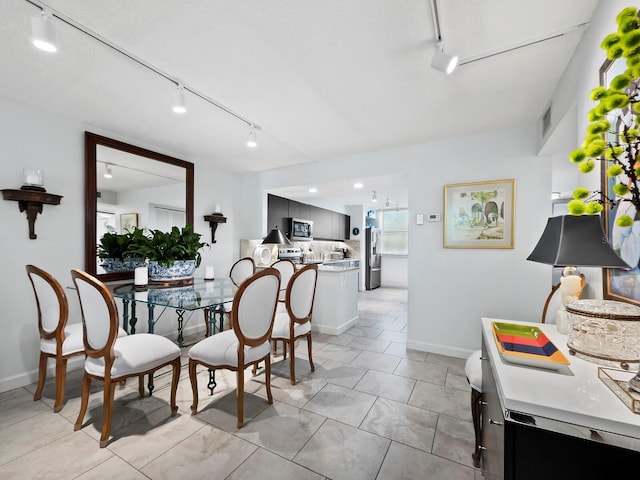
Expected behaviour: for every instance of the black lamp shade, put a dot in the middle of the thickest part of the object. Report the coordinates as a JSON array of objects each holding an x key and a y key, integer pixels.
[
  {"x": 276, "y": 236},
  {"x": 576, "y": 241}
]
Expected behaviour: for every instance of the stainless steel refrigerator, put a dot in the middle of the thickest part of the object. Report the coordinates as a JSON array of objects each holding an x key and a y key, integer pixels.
[{"x": 373, "y": 247}]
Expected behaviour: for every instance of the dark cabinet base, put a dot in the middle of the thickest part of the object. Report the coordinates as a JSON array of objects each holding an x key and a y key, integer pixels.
[{"x": 533, "y": 454}]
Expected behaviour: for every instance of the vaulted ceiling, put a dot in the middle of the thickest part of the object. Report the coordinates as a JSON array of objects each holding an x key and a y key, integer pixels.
[{"x": 322, "y": 79}]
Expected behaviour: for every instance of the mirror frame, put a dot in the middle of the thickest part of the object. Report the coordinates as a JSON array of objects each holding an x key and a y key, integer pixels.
[{"x": 91, "y": 142}]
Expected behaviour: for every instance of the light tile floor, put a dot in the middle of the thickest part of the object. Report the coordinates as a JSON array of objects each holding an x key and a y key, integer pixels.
[{"x": 371, "y": 410}]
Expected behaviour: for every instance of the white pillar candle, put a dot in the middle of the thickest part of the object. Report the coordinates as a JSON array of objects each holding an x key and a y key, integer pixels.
[
  {"x": 208, "y": 272},
  {"x": 141, "y": 276}
]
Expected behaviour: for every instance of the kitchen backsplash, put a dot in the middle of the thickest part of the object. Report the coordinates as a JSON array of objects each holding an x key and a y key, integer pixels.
[{"x": 319, "y": 248}]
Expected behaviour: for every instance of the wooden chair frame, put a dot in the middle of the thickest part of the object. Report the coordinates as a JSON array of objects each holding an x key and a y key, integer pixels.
[
  {"x": 58, "y": 334},
  {"x": 107, "y": 352},
  {"x": 242, "y": 342}
]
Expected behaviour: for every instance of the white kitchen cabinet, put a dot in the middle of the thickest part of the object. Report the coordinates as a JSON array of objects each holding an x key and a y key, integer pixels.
[{"x": 335, "y": 309}]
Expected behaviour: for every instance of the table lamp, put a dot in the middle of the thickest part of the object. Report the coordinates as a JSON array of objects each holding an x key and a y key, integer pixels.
[
  {"x": 276, "y": 236},
  {"x": 574, "y": 241},
  {"x": 579, "y": 241}
]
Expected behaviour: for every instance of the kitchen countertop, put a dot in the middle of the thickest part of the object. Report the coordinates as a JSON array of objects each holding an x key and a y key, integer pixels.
[{"x": 336, "y": 268}]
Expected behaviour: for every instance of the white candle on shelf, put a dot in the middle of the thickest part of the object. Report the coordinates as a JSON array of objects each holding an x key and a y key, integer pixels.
[
  {"x": 208, "y": 272},
  {"x": 141, "y": 276}
]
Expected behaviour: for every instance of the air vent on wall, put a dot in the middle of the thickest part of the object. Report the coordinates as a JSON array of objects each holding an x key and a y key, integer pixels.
[{"x": 546, "y": 121}]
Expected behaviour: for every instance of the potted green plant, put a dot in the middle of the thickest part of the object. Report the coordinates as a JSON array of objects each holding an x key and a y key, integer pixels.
[
  {"x": 114, "y": 250},
  {"x": 173, "y": 256}
]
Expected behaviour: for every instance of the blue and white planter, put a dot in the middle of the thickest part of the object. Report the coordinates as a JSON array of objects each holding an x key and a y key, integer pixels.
[
  {"x": 180, "y": 270},
  {"x": 117, "y": 265}
]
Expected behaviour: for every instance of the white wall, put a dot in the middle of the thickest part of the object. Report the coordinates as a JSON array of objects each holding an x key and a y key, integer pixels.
[
  {"x": 570, "y": 104},
  {"x": 450, "y": 289},
  {"x": 394, "y": 271},
  {"x": 34, "y": 138}
]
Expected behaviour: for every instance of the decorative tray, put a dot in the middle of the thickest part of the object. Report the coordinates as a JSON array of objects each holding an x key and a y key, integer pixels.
[
  {"x": 618, "y": 383},
  {"x": 527, "y": 345}
]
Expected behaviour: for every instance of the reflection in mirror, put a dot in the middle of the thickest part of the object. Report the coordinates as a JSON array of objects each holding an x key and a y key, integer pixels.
[{"x": 128, "y": 186}]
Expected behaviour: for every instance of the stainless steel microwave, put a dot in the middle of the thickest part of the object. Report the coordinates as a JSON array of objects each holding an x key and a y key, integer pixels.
[{"x": 300, "y": 230}]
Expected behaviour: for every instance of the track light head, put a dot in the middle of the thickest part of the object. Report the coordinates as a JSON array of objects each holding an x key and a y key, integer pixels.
[
  {"x": 374, "y": 197},
  {"x": 178, "y": 100},
  {"x": 43, "y": 34},
  {"x": 107, "y": 171},
  {"x": 251, "y": 140},
  {"x": 444, "y": 62},
  {"x": 386, "y": 204}
]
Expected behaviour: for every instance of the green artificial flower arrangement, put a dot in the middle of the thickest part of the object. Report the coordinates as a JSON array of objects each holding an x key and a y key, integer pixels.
[{"x": 614, "y": 129}]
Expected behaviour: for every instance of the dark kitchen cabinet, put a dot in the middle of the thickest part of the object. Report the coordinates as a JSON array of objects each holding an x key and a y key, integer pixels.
[
  {"x": 321, "y": 219},
  {"x": 340, "y": 226},
  {"x": 327, "y": 224},
  {"x": 277, "y": 213},
  {"x": 299, "y": 210}
]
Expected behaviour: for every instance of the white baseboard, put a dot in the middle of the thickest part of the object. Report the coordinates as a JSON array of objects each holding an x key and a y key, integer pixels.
[
  {"x": 439, "y": 349},
  {"x": 329, "y": 330},
  {"x": 74, "y": 363}
]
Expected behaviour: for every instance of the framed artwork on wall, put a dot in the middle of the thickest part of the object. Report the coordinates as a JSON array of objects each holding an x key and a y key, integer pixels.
[
  {"x": 621, "y": 285},
  {"x": 479, "y": 214},
  {"x": 128, "y": 221}
]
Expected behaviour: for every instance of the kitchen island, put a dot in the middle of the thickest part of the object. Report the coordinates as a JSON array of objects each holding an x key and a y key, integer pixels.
[
  {"x": 335, "y": 308},
  {"x": 542, "y": 423}
]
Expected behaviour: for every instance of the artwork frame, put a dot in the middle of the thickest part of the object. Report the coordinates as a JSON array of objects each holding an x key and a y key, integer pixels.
[
  {"x": 620, "y": 285},
  {"x": 128, "y": 221},
  {"x": 490, "y": 222}
]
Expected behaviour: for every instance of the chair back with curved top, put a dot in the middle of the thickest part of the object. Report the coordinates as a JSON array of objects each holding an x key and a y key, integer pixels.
[
  {"x": 241, "y": 270},
  {"x": 300, "y": 294},
  {"x": 286, "y": 268},
  {"x": 99, "y": 315},
  {"x": 254, "y": 307},
  {"x": 57, "y": 339}
]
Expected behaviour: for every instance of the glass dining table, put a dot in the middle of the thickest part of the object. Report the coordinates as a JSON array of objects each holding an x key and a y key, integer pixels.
[{"x": 213, "y": 297}]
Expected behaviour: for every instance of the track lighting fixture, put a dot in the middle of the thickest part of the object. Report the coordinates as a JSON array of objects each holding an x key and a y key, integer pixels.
[
  {"x": 178, "y": 100},
  {"x": 43, "y": 37},
  {"x": 387, "y": 200},
  {"x": 107, "y": 171},
  {"x": 251, "y": 140},
  {"x": 444, "y": 62},
  {"x": 43, "y": 34},
  {"x": 441, "y": 61}
]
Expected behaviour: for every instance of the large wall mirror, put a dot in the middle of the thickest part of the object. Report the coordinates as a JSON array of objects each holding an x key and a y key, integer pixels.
[{"x": 128, "y": 186}]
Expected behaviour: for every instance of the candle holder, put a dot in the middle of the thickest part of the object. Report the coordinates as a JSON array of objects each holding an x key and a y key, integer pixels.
[{"x": 33, "y": 179}]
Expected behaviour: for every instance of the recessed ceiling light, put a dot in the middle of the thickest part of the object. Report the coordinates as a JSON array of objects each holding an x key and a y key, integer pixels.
[
  {"x": 357, "y": 185},
  {"x": 313, "y": 190}
]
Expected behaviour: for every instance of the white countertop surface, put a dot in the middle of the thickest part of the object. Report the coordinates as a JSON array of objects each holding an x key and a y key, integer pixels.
[
  {"x": 575, "y": 395},
  {"x": 336, "y": 268}
]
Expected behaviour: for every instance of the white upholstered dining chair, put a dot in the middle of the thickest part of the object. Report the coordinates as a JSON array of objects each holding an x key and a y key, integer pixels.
[
  {"x": 295, "y": 323},
  {"x": 286, "y": 268},
  {"x": 112, "y": 359},
  {"x": 247, "y": 343},
  {"x": 58, "y": 340}
]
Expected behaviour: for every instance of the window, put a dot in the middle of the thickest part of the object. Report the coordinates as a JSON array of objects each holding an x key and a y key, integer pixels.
[{"x": 395, "y": 231}]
